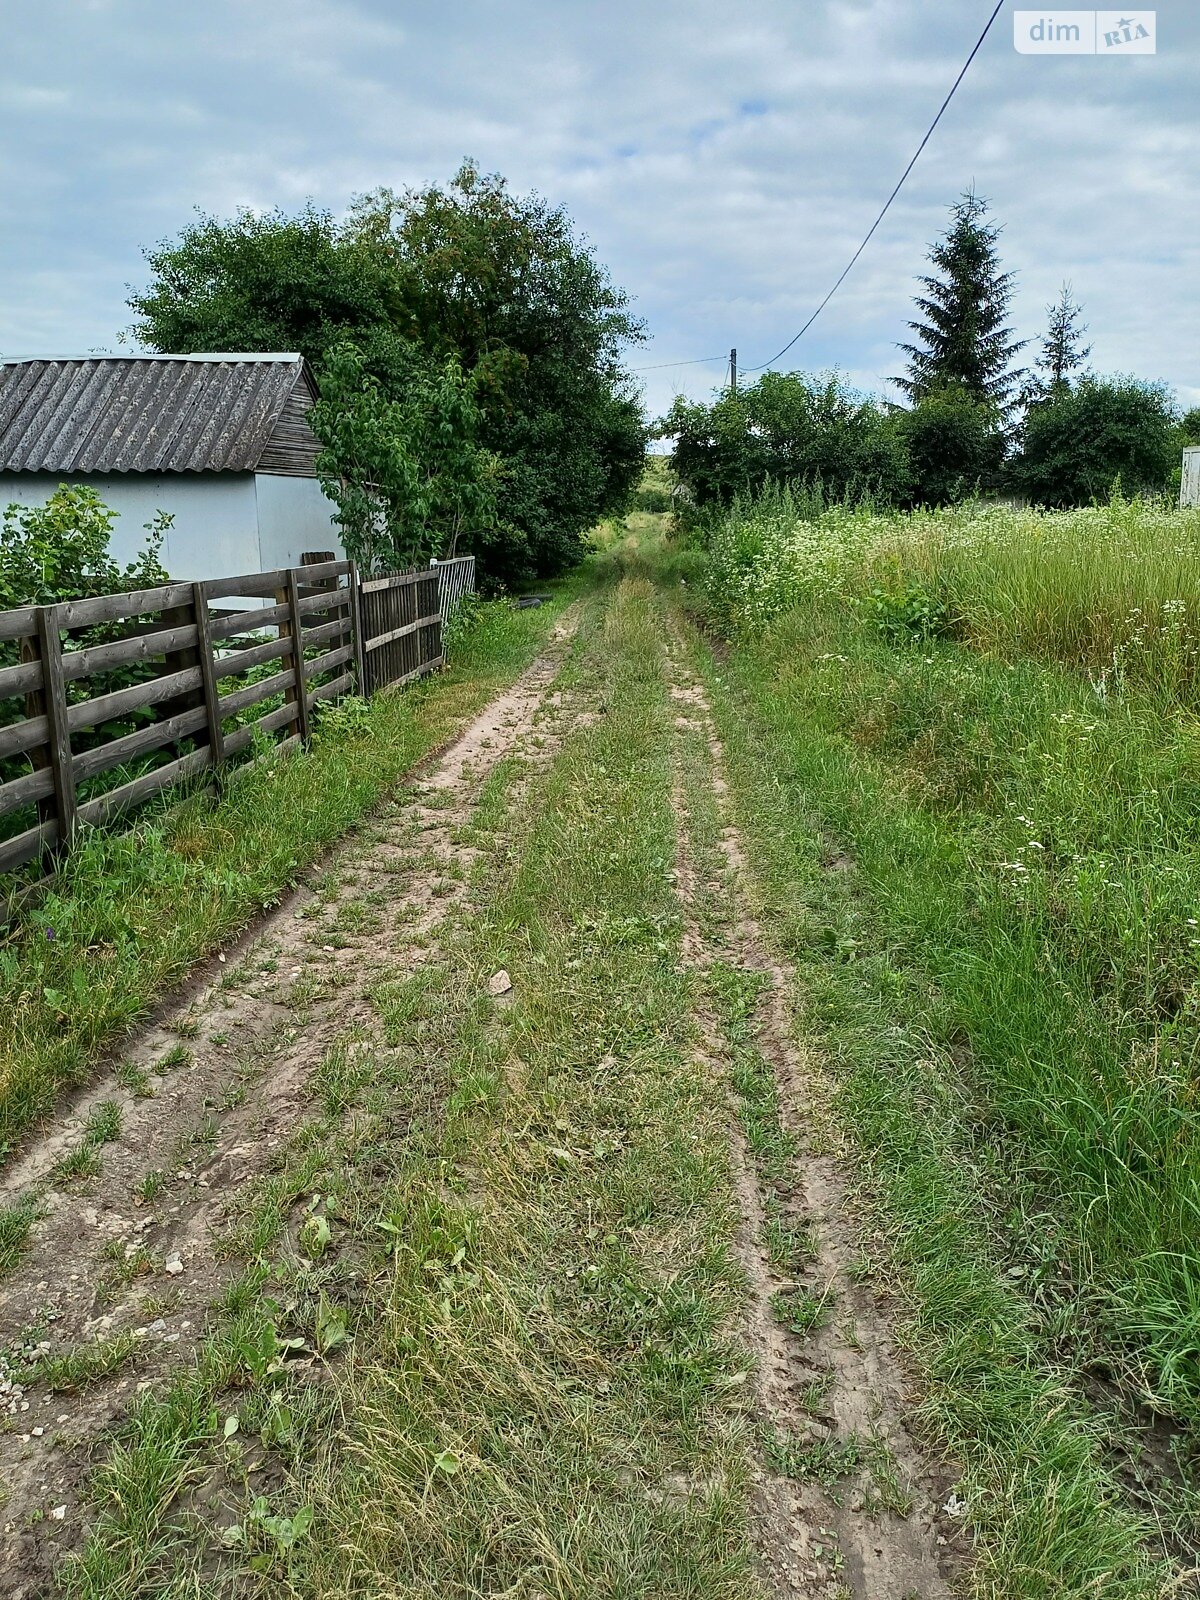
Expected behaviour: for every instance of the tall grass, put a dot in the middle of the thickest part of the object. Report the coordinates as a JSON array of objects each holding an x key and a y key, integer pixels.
[
  {"x": 1112, "y": 591},
  {"x": 1023, "y": 797}
]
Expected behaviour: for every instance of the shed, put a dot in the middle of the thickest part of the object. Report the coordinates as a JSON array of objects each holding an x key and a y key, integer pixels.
[
  {"x": 1189, "y": 486},
  {"x": 221, "y": 441}
]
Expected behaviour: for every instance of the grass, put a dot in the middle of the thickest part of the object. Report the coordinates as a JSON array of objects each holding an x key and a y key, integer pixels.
[
  {"x": 131, "y": 912},
  {"x": 1000, "y": 968},
  {"x": 1113, "y": 591},
  {"x": 528, "y": 1278}
]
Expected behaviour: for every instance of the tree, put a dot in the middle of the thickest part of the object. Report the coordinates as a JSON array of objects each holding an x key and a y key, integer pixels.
[
  {"x": 269, "y": 282},
  {"x": 470, "y": 275},
  {"x": 955, "y": 446},
  {"x": 406, "y": 474},
  {"x": 502, "y": 282},
  {"x": 964, "y": 342},
  {"x": 1063, "y": 351},
  {"x": 60, "y": 551},
  {"x": 1079, "y": 441},
  {"x": 787, "y": 428}
]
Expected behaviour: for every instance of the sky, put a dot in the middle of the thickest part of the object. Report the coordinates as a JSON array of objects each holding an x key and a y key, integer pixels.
[{"x": 723, "y": 160}]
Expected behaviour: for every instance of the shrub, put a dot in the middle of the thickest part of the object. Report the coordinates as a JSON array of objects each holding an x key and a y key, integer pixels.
[
  {"x": 788, "y": 428},
  {"x": 1078, "y": 442},
  {"x": 954, "y": 444}
]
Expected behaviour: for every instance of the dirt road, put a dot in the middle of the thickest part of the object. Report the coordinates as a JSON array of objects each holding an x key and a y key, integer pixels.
[{"x": 476, "y": 1225}]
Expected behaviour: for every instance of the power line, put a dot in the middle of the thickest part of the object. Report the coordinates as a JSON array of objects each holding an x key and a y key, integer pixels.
[
  {"x": 696, "y": 361},
  {"x": 887, "y": 204}
]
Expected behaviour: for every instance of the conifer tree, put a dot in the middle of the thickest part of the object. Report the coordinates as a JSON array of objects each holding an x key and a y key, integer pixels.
[
  {"x": 963, "y": 340},
  {"x": 1063, "y": 350}
]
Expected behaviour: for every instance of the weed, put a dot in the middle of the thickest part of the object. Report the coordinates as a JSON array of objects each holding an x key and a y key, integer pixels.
[{"x": 800, "y": 1310}]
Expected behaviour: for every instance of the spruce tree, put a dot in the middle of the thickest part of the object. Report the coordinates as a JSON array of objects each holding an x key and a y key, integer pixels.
[
  {"x": 964, "y": 342},
  {"x": 1063, "y": 350}
]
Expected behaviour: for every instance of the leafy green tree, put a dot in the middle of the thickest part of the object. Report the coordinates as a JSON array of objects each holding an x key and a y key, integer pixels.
[
  {"x": 963, "y": 341},
  {"x": 955, "y": 446},
  {"x": 501, "y": 282},
  {"x": 786, "y": 428},
  {"x": 1189, "y": 427},
  {"x": 471, "y": 274},
  {"x": 406, "y": 474},
  {"x": 1079, "y": 441},
  {"x": 269, "y": 282}
]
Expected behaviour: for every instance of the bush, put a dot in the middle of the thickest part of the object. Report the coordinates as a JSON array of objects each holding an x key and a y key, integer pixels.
[
  {"x": 1077, "y": 443},
  {"x": 788, "y": 428},
  {"x": 954, "y": 444},
  {"x": 59, "y": 551}
]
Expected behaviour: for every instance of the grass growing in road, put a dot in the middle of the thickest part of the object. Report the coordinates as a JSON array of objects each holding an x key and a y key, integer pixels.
[
  {"x": 131, "y": 912},
  {"x": 545, "y": 1404},
  {"x": 521, "y": 1305}
]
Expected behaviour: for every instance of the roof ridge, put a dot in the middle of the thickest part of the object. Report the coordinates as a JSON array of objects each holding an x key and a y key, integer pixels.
[{"x": 154, "y": 355}]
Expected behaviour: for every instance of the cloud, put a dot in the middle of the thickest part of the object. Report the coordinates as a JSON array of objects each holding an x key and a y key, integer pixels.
[{"x": 723, "y": 161}]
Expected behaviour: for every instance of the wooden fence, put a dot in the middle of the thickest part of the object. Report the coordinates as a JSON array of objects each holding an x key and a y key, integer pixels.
[
  {"x": 122, "y": 695},
  {"x": 401, "y": 628}
]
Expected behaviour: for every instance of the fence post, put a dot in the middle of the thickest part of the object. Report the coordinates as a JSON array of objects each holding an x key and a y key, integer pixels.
[
  {"x": 356, "y": 632},
  {"x": 296, "y": 630},
  {"x": 208, "y": 677},
  {"x": 58, "y": 734}
]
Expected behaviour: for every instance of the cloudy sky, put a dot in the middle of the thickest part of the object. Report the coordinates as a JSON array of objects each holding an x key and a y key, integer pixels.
[{"x": 724, "y": 160}]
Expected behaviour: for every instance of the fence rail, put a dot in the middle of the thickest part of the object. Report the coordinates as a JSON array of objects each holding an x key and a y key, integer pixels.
[{"x": 121, "y": 696}]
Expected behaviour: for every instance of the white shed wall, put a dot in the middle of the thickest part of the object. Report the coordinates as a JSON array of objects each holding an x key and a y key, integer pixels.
[
  {"x": 215, "y": 532},
  {"x": 1189, "y": 489},
  {"x": 293, "y": 516}
]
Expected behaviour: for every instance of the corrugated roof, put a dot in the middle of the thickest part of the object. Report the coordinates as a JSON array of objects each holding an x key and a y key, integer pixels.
[{"x": 203, "y": 413}]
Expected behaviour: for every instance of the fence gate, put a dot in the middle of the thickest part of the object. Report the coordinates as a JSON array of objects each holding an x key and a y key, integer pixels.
[
  {"x": 400, "y": 626},
  {"x": 456, "y": 580}
]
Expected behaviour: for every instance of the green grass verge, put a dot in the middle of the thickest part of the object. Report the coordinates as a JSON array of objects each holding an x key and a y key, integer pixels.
[
  {"x": 131, "y": 912},
  {"x": 1050, "y": 1514}
]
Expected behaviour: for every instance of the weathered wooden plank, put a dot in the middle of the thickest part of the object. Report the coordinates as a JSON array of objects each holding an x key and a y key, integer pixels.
[
  {"x": 327, "y": 600},
  {"x": 132, "y": 794},
  {"x": 243, "y": 699},
  {"x": 241, "y": 738},
  {"x": 58, "y": 732},
  {"x": 246, "y": 586},
  {"x": 326, "y": 663},
  {"x": 356, "y": 629},
  {"x": 255, "y": 656},
  {"x": 208, "y": 675},
  {"x": 23, "y": 678},
  {"x": 400, "y": 633},
  {"x": 112, "y": 607},
  {"x": 330, "y": 691},
  {"x": 296, "y": 628},
  {"x": 19, "y": 624},
  {"x": 417, "y": 672},
  {"x": 25, "y": 846},
  {"x": 90, "y": 713},
  {"x": 235, "y": 623},
  {"x": 19, "y": 737},
  {"x": 132, "y": 745},
  {"x": 397, "y": 580},
  {"x": 337, "y": 629},
  {"x": 23, "y": 791},
  {"x": 120, "y": 652}
]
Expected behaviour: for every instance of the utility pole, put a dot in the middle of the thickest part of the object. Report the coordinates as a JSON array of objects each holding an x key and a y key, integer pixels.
[{"x": 733, "y": 371}]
